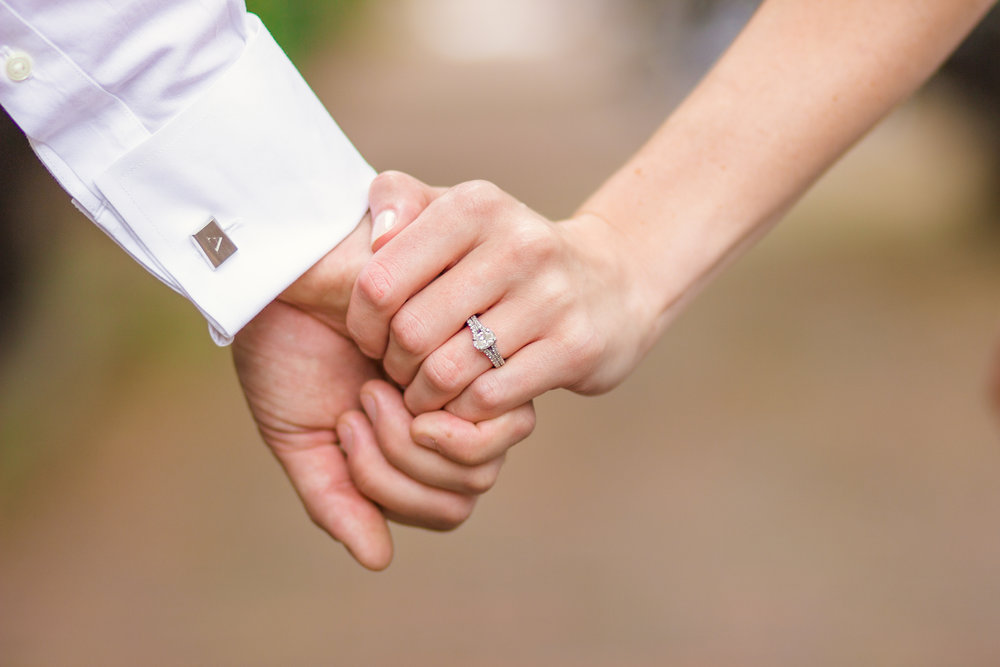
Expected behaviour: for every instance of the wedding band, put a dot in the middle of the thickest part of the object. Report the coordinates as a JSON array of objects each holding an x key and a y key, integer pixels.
[{"x": 484, "y": 340}]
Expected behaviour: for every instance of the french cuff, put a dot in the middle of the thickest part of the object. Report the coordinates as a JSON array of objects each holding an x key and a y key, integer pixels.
[{"x": 243, "y": 191}]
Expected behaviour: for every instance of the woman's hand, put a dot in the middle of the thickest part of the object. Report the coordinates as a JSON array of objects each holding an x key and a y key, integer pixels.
[{"x": 568, "y": 306}]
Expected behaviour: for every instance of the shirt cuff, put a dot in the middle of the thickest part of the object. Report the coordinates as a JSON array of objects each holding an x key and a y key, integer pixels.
[{"x": 260, "y": 156}]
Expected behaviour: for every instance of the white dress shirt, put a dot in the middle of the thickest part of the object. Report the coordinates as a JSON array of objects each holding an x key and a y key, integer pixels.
[{"x": 159, "y": 117}]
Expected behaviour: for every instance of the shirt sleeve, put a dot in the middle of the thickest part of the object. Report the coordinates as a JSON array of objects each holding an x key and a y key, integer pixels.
[{"x": 182, "y": 130}]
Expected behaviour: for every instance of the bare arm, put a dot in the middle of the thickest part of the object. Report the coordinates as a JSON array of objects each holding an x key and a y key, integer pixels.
[
  {"x": 577, "y": 303},
  {"x": 801, "y": 84}
]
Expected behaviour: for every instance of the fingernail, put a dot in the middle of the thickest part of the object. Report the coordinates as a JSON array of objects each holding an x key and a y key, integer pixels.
[
  {"x": 346, "y": 438},
  {"x": 427, "y": 441},
  {"x": 385, "y": 221},
  {"x": 368, "y": 401}
]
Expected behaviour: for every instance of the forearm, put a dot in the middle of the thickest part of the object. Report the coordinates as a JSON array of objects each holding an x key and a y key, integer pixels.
[
  {"x": 158, "y": 117},
  {"x": 797, "y": 88},
  {"x": 576, "y": 304}
]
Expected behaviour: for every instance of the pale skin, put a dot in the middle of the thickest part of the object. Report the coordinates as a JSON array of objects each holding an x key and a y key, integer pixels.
[
  {"x": 577, "y": 303},
  {"x": 354, "y": 470}
]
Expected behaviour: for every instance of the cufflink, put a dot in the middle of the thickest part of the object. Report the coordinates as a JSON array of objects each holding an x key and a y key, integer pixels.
[{"x": 214, "y": 243}]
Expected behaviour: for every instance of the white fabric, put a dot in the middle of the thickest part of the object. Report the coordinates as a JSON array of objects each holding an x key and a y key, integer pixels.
[{"x": 159, "y": 115}]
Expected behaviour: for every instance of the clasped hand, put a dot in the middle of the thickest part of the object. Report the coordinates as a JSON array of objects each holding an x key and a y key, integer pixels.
[{"x": 566, "y": 311}]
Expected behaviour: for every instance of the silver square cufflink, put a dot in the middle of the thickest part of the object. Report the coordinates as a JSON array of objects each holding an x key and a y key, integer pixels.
[{"x": 214, "y": 243}]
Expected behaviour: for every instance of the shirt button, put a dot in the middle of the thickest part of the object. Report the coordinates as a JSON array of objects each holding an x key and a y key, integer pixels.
[{"x": 18, "y": 66}]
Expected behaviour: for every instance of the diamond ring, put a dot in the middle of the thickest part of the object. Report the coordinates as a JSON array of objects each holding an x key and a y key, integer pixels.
[{"x": 485, "y": 341}]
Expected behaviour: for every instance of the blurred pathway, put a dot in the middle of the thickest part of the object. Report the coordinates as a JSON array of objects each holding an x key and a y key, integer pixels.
[{"x": 803, "y": 472}]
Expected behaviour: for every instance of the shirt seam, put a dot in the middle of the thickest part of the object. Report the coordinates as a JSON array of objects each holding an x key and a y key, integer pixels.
[{"x": 76, "y": 66}]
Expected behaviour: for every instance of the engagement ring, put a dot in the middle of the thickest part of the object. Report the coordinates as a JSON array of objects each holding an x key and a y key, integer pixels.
[{"x": 485, "y": 341}]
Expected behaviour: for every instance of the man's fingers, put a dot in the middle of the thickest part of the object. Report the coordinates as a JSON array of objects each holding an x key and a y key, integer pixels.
[
  {"x": 473, "y": 444},
  {"x": 395, "y": 200},
  {"x": 298, "y": 375},
  {"x": 397, "y": 494},
  {"x": 384, "y": 406},
  {"x": 320, "y": 476}
]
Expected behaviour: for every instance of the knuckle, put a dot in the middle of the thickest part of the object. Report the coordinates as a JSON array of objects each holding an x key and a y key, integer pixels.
[
  {"x": 486, "y": 392},
  {"x": 477, "y": 190},
  {"x": 556, "y": 293},
  {"x": 479, "y": 198},
  {"x": 397, "y": 371},
  {"x": 589, "y": 347},
  {"x": 408, "y": 331},
  {"x": 530, "y": 247},
  {"x": 442, "y": 373},
  {"x": 523, "y": 425},
  {"x": 482, "y": 479},
  {"x": 535, "y": 238},
  {"x": 387, "y": 186},
  {"x": 389, "y": 179},
  {"x": 374, "y": 284},
  {"x": 585, "y": 346},
  {"x": 453, "y": 514}
]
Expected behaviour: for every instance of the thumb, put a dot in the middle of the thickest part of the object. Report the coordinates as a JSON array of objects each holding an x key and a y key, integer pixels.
[{"x": 395, "y": 200}]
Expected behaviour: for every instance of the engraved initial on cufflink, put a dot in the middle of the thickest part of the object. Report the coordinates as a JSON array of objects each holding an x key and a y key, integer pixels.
[{"x": 214, "y": 243}]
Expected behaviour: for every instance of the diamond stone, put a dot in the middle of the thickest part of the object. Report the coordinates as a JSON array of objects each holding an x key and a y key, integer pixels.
[{"x": 483, "y": 338}]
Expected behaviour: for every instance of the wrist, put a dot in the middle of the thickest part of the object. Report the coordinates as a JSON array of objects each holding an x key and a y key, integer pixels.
[
  {"x": 622, "y": 301},
  {"x": 324, "y": 291},
  {"x": 671, "y": 259}
]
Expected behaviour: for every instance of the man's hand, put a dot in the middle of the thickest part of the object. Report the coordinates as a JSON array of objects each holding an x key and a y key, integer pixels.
[
  {"x": 299, "y": 376},
  {"x": 324, "y": 291},
  {"x": 304, "y": 384}
]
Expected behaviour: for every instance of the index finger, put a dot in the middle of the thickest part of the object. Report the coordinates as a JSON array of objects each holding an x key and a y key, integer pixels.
[
  {"x": 323, "y": 482},
  {"x": 395, "y": 200}
]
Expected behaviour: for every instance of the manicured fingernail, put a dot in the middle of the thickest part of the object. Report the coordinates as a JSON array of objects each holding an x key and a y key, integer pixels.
[
  {"x": 368, "y": 401},
  {"x": 384, "y": 221},
  {"x": 346, "y": 438}
]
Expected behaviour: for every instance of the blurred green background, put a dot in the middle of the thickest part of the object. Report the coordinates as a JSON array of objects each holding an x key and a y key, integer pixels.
[
  {"x": 299, "y": 26},
  {"x": 804, "y": 471}
]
